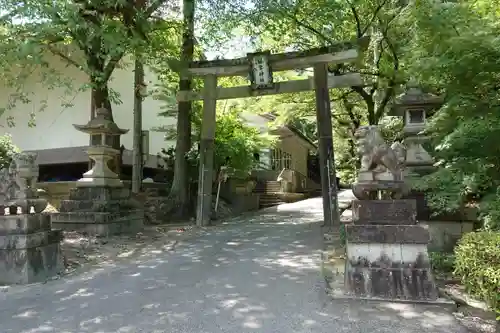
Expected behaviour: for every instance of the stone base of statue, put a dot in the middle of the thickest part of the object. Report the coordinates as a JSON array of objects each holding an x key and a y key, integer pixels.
[
  {"x": 100, "y": 210},
  {"x": 386, "y": 251}
]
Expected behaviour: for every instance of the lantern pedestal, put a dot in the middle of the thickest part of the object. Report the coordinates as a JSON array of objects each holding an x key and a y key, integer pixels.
[
  {"x": 100, "y": 210},
  {"x": 100, "y": 174},
  {"x": 100, "y": 204},
  {"x": 418, "y": 160}
]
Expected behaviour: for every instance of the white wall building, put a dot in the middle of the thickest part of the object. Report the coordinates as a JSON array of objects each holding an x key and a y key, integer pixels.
[
  {"x": 57, "y": 142},
  {"x": 54, "y": 124}
]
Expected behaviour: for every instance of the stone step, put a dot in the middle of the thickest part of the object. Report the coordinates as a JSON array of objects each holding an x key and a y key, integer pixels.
[
  {"x": 268, "y": 187},
  {"x": 97, "y": 205},
  {"x": 100, "y": 223},
  {"x": 269, "y": 199},
  {"x": 269, "y": 204},
  {"x": 99, "y": 193},
  {"x": 95, "y": 217}
]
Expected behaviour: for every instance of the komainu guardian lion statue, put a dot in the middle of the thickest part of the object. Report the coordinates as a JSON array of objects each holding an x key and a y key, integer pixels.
[{"x": 376, "y": 156}]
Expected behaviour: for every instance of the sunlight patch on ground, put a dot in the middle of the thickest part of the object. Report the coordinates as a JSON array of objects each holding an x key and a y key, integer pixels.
[
  {"x": 79, "y": 293},
  {"x": 26, "y": 314}
]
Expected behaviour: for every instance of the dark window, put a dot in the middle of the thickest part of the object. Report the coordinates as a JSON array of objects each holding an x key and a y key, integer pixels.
[{"x": 416, "y": 116}]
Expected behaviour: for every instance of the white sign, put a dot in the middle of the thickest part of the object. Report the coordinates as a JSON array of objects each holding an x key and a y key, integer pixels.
[{"x": 261, "y": 73}]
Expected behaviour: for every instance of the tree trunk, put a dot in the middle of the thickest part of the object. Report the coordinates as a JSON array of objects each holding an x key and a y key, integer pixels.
[
  {"x": 100, "y": 98},
  {"x": 138, "y": 149},
  {"x": 179, "y": 192},
  {"x": 137, "y": 130}
]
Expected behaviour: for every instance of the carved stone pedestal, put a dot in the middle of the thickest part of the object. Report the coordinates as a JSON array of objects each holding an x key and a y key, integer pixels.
[
  {"x": 100, "y": 174},
  {"x": 100, "y": 211},
  {"x": 387, "y": 253},
  {"x": 29, "y": 249}
]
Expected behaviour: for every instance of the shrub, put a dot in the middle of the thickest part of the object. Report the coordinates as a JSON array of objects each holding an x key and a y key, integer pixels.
[
  {"x": 442, "y": 262},
  {"x": 7, "y": 149},
  {"x": 477, "y": 264}
]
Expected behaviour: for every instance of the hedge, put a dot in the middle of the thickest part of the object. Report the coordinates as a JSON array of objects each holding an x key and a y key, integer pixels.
[{"x": 477, "y": 264}]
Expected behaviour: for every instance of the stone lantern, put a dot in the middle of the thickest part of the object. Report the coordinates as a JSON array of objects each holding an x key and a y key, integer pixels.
[
  {"x": 415, "y": 107},
  {"x": 103, "y": 132}
]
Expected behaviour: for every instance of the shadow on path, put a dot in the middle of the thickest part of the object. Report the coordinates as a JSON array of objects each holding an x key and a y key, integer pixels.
[{"x": 256, "y": 274}]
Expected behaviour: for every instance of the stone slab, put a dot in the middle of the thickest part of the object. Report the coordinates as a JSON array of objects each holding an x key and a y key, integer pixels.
[
  {"x": 97, "y": 205},
  {"x": 396, "y": 189},
  {"x": 99, "y": 193},
  {"x": 27, "y": 241},
  {"x": 370, "y": 176},
  {"x": 95, "y": 217},
  {"x": 22, "y": 266},
  {"x": 24, "y": 223},
  {"x": 384, "y": 211},
  {"x": 107, "y": 229},
  {"x": 387, "y": 234},
  {"x": 446, "y": 234}
]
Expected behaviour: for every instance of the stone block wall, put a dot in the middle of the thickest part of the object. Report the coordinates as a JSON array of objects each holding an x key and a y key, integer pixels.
[
  {"x": 445, "y": 234},
  {"x": 29, "y": 250},
  {"x": 100, "y": 211}
]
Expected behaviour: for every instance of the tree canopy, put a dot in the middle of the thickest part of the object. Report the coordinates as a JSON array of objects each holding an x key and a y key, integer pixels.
[
  {"x": 450, "y": 48},
  {"x": 92, "y": 36},
  {"x": 456, "y": 52}
]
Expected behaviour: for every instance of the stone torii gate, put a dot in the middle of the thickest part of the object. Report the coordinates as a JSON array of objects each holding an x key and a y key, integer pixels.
[{"x": 260, "y": 66}]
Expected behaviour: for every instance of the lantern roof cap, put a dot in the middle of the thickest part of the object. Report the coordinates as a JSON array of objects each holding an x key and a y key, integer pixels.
[
  {"x": 101, "y": 123},
  {"x": 415, "y": 95}
]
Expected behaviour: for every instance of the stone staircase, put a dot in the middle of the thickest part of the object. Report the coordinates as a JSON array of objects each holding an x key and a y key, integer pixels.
[
  {"x": 270, "y": 186},
  {"x": 268, "y": 193}
]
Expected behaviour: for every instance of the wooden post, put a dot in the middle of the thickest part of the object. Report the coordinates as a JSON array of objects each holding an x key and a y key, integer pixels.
[
  {"x": 205, "y": 179},
  {"x": 137, "y": 128},
  {"x": 326, "y": 154}
]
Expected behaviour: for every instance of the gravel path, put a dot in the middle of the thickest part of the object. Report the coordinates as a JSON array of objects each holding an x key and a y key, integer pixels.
[{"x": 254, "y": 274}]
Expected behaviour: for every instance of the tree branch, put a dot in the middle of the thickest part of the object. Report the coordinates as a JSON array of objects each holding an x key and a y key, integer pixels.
[
  {"x": 341, "y": 97},
  {"x": 309, "y": 28},
  {"x": 111, "y": 65},
  {"x": 389, "y": 92},
  {"x": 153, "y": 7},
  {"x": 63, "y": 56},
  {"x": 359, "y": 32},
  {"x": 355, "y": 121},
  {"x": 375, "y": 16}
]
